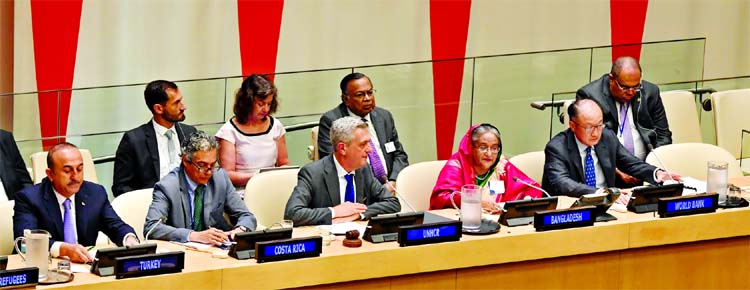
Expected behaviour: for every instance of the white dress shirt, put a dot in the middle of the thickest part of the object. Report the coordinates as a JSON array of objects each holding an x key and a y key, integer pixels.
[
  {"x": 55, "y": 249},
  {"x": 341, "y": 173},
  {"x": 638, "y": 149},
  {"x": 162, "y": 144},
  {"x": 600, "y": 181}
]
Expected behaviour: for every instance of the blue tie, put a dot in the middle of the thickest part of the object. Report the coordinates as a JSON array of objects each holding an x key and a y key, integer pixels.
[
  {"x": 69, "y": 233},
  {"x": 589, "y": 169},
  {"x": 349, "y": 193}
]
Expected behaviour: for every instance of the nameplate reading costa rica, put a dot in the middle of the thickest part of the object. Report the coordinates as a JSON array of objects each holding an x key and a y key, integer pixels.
[
  {"x": 687, "y": 205},
  {"x": 429, "y": 233},
  {"x": 17, "y": 278},
  {"x": 564, "y": 218},
  {"x": 288, "y": 249},
  {"x": 149, "y": 264}
]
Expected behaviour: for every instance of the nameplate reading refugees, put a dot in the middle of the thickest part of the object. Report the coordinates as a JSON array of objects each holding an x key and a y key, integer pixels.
[
  {"x": 149, "y": 264},
  {"x": 18, "y": 278},
  {"x": 687, "y": 205},
  {"x": 288, "y": 249},
  {"x": 564, "y": 218},
  {"x": 429, "y": 233}
]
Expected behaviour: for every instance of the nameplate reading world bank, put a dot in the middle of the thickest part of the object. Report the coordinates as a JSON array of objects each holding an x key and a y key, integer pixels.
[
  {"x": 687, "y": 205},
  {"x": 564, "y": 218},
  {"x": 288, "y": 249},
  {"x": 430, "y": 233},
  {"x": 149, "y": 264},
  {"x": 19, "y": 278}
]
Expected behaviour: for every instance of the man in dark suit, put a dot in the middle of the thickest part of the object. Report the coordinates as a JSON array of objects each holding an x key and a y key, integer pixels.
[
  {"x": 340, "y": 187},
  {"x": 194, "y": 198},
  {"x": 73, "y": 211},
  {"x": 13, "y": 173},
  {"x": 358, "y": 99},
  {"x": 582, "y": 159},
  {"x": 632, "y": 108},
  {"x": 149, "y": 152}
]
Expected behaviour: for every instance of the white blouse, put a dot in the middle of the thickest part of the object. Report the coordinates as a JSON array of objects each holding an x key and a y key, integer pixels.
[{"x": 253, "y": 151}]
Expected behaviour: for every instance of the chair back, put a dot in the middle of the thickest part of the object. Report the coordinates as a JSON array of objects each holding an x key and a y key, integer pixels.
[
  {"x": 266, "y": 194},
  {"x": 6, "y": 227},
  {"x": 691, "y": 159},
  {"x": 730, "y": 117},
  {"x": 312, "y": 150},
  {"x": 531, "y": 163},
  {"x": 682, "y": 115},
  {"x": 39, "y": 165},
  {"x": 132, "y": 208},
  {"x": 415, "y": 183},
  {"x": 564, "y": 113}
]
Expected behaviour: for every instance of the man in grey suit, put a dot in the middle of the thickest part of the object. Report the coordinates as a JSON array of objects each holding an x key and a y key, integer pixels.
[
  {"x": 344, "y": 176},
  {"x": 582, "y": 159},
  {"x": 190, "y": 202},
  {"x": 388, "y": 157}
]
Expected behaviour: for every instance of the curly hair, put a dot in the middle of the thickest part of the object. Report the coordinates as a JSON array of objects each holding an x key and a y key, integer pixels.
[{"x": 254, "y": 87}]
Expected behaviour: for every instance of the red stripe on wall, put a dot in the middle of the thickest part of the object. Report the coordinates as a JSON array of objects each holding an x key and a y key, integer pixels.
[
  {"x": 449, "y": 28},
  {"x": 55, "y": 25},
  {"x": 627, "y": 18},
  {"x": 259, "y": 26}
]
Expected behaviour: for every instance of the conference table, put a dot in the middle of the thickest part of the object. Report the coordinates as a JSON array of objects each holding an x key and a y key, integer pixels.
[{"x": 635, "y": 251}]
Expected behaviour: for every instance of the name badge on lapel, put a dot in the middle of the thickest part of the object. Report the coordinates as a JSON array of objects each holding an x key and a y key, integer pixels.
[{"x": 390, "y": 147}]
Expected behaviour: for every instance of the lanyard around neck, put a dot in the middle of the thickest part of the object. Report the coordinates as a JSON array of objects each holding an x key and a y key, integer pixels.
[{"x": 624, "y": 118}]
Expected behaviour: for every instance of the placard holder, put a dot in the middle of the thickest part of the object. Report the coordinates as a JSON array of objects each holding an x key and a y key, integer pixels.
[
  {"x": 564, "y": 218},
  {"x": 19, "y": 278},
  {"x": 430, "y": 233},
  {"x": 688, "y": 205}
]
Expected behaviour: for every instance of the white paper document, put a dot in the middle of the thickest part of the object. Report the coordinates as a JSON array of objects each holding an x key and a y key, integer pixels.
[
  {"x": 693, "y": 186},
  {"x": 342, "y": 228}
]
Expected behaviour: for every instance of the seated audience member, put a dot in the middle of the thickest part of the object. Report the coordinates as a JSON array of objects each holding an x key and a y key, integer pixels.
[
  {"x": 582, "y": 159},
  {"x": 479, "y": 161},
  {"x": 149, "y": 152},
  {"x": 72, "y": 210},
  {"x": 340, "y": 187},
  {"x": 13, "y": 173},
  {"x": 193, "y": 198},
  {"x": 387, "y": 157},
  {"x": 252, "y": 139}
]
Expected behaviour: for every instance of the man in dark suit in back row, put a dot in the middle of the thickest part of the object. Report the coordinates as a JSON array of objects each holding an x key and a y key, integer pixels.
[
  {"x": 387, "y": 157},
  {"x": 582, "y": 159},
  {"x": 149, "y": 152},
  {"x": 72, "y": 210},
  {"x": 13, "y": 173},
  {"x": 340, "y": 187}
]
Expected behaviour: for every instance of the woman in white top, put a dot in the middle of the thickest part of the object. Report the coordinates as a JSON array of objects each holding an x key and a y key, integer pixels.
[{"x": 252, "y": 139}]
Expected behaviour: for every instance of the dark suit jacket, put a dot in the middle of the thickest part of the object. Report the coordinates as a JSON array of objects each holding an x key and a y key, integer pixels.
[
  {"x": 12, "y": 168},
  {"x": 171, "y": 200},
  {"x": 563, "y": 171},
  {"x": 384, "y": 126},
  {"x": 37, "y": 208},
  {"x": 318, "y": 188},
  {"x": 647, "y": 107},
  {"x": 137, "y": 158}
]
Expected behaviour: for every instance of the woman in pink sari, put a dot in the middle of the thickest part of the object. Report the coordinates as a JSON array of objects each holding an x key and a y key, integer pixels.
[{"x": 479, "y": 161}]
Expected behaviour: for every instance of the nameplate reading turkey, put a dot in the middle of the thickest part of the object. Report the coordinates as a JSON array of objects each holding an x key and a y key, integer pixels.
[
  {"x": 149, "y": 264},
  {"x": 19, "y": 278},
  {"x": 431, "y": 233},
  {"x": 687, "y": 205},
  {"x": 564, "y": 218},
  {"x": 288, "y": 249}
]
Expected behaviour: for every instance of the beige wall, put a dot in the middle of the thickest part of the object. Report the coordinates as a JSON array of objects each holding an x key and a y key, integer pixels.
[{"x": 6, "y": 63}]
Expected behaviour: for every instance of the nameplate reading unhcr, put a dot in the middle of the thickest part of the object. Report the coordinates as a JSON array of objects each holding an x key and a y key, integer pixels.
[
  {"x": 149, "y": 264},
  {"x": 430, "y": 233},
  {"x": 687, "y": 205},
  {"x": 19, "y": 278},
  {"x": 288, "y": 249},
  {"x": 564, "y": 218}
]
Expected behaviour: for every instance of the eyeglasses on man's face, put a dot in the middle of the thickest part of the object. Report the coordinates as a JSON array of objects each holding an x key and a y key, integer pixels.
[
  {"x": 362, "y": 94},
  {"x": 591, "y": 129},
  {"x": 204, "y": 167},
  {"x": 636, "y": 88}
]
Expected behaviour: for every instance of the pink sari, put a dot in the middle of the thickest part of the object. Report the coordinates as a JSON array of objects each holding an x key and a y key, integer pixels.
[{"x": 459, "y": 170}]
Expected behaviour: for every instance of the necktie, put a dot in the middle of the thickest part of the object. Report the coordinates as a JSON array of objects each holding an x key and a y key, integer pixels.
[
  {"x": 349, "y": 192},
  {"x": 589, "y": 170},
  {"x": 198, "y": 208},
  {"x": 375, "y": 162},
  {"x": 625, "y": 131},
  {"x": 170, "y": 149},
  {"x": 69, "y": 230}
]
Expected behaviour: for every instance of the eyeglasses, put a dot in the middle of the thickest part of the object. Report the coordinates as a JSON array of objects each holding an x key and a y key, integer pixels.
[
  {"x": 485, "y": 149},
  {"x": 206, "y": 168},
  {"x": 361, "y": 95},
  {"x": 591, "y": 129},
  {"x": 636, "y": 88}
]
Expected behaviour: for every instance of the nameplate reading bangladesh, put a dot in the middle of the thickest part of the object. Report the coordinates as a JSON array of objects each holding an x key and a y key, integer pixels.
[
  {"x": 564, "y": 218},
  {"x": 687, "y": 205},
  {"x": 430, "y": 233},
  {"x": 149, "y": 264},
  {"x": 288, "y": 249},
  {"x": 19, "y": 278}
]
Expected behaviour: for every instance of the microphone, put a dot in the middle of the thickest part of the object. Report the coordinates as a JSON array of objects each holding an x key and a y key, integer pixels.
[
  {"x": 162, "y": 219},
  {"x": 405, "y": 201},
  {"x": 516, "y": 179},
  {"x": 669, "y": 175}
]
